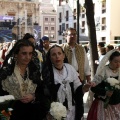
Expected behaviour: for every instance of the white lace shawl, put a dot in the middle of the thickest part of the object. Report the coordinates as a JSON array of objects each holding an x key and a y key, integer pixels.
[
  {"x": 12, "y": 84},
  {"x": 68, "y": 75},
  {"x": 103, "y": 71}
]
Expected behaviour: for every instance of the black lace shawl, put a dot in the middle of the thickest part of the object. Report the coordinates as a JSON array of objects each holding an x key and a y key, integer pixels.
[{"x": 9, "y": 65}]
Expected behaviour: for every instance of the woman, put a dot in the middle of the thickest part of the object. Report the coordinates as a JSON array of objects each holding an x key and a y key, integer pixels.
[
  {"x": 112, "y": 70},
  {"x": 62, "y": 83},
  {"x": 31, "y": 38},
  {"x": 20, "y": 77}
]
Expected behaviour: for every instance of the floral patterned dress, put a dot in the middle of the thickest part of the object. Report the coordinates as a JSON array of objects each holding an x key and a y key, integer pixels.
[{"x": 97, "y": 110}]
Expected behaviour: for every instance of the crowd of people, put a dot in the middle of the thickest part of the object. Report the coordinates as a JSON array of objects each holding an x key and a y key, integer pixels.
[{"x": 39, "y": 74}]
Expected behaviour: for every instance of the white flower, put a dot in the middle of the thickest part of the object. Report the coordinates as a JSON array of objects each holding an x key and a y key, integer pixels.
[
  {"x": 57, "y": 110},
  {"x": 2, "y": 99},
  {"x": 6, "y": 97},
  {"x": 117, "y": 86},
  {"x": 9, "y": 97},
  {"x": 10, "y": 109},
  {"x": 113, "y": 82}
]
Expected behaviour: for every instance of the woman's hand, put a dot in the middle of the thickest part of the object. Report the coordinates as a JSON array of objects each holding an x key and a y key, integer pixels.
[
  {"x": 87, "y": 86},
  {"x": 27, "y": 98},
  {"x": 109, "y": 93}
]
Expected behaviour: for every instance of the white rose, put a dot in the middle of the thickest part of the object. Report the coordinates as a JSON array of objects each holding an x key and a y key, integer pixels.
[
  {"x": 117, "y": 86},
  {"x": 9, "y": 97},
  {"x": 2, "y": 99},
  {"x": 58, "y": 110},
  {"x": 112, "y": 81}
]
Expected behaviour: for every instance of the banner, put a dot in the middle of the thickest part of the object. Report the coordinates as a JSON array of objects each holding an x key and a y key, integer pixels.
[
  {"x": 37, "y": 32},
  {"x": 6, "y": 31}
]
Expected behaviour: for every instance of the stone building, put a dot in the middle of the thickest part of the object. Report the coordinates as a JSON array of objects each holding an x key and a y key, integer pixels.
[{"x": 23, "y": 13}]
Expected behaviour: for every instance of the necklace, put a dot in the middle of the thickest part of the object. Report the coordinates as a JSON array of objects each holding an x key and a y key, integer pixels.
[
  {"x": 113, "y": 70},
  {"x": 61, "y": 75},
  {"x": 59, "y": 68}
]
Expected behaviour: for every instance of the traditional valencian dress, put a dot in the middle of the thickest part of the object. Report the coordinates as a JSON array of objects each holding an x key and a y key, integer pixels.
[
  {"x": 17, "y": 86},
  {"x": 66, "y": 88},
  {"x": 97, "y": 110}
]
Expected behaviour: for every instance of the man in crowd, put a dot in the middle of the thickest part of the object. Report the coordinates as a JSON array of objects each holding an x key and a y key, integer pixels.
[
  {"x": 76, "y": 55},
  {"x": 46, "y": 43}
]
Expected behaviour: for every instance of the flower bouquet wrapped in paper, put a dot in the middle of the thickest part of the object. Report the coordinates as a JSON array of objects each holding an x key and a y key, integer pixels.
[
  {"x": 5, "y": 108},
  {"x": 111, "y": 85},
  {"x": 58, "y": 111}
]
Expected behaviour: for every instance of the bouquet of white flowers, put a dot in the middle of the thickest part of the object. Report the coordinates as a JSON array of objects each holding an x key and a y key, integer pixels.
[
  {"x": 5, "y": 110},
  {"x": 111, "y": 85},
  {"x": 58, "y": 111}
]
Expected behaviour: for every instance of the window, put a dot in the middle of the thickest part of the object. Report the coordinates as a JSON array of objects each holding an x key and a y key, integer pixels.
[
  {"x": 83, "y": 15},
  {"x": 103, "y": 20},
  {"x": 117, "y": 39},
  {"x": 60, "y": 30},
  {"x": 46, "y": 28},
  {"x": 67, "y": 26},
  {"x": 67, "y": 15},
  {"x": 83, "y": 23},
  {"x": 103, "y": 38},
  {"x": 29, "y": 21},
  {"x": 60, "y": 17},
  {"x": 75, "y": 25},
  {"x": 60, "y": 41},
  {"x": 52, "y": 19},
  {"x": 83, "y": 30},
  {"x": 103, "y": 11},
  {"x": 46, "y": 19},
  {"x": 52, "y": 28},
  {"x": 103, "y": 27},
  {"x": 74, "y": 13},
  {"x": 103, "y": 4},
  {"x": 103, "y": 23},
  {"x": 103, "y": 7}
]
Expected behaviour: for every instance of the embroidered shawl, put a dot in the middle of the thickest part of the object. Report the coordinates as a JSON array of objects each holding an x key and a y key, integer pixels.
[{"x": 13, "y": 85}]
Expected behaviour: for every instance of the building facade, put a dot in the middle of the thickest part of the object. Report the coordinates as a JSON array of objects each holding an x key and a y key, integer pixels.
[
  {"x": 106, "y": 20},
  {"x": 25, "y": 14},
  {"x": 48, "y": 21}
]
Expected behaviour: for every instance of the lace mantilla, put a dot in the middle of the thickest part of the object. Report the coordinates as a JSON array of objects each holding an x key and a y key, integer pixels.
[{"x": 16, "y": 86}]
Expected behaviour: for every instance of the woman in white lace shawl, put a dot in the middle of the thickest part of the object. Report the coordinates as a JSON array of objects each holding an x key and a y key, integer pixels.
[
  {"x": 111, "y": 70},
  {"x": 63, "y": 84}
]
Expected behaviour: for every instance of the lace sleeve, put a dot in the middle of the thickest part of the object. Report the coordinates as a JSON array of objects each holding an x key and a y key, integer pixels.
[{"x": 98, "y": 79}]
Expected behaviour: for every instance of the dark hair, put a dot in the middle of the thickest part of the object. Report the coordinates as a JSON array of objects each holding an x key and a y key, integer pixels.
[
  {"x": 101, "y": 44},
  {"x": 9, "y": 63},
  {"x": 110, "y": 47},
  {"x": 48, "y": 54},
  {"x": 27, "y": 36},
  {"x": 114, "y": 54}
]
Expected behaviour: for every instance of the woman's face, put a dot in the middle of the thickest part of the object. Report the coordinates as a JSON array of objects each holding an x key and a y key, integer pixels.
[
  {"x": 24, "y": 55},
  {"x": 115, "y": 63},
  {"x": 57, "y": 56}
]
